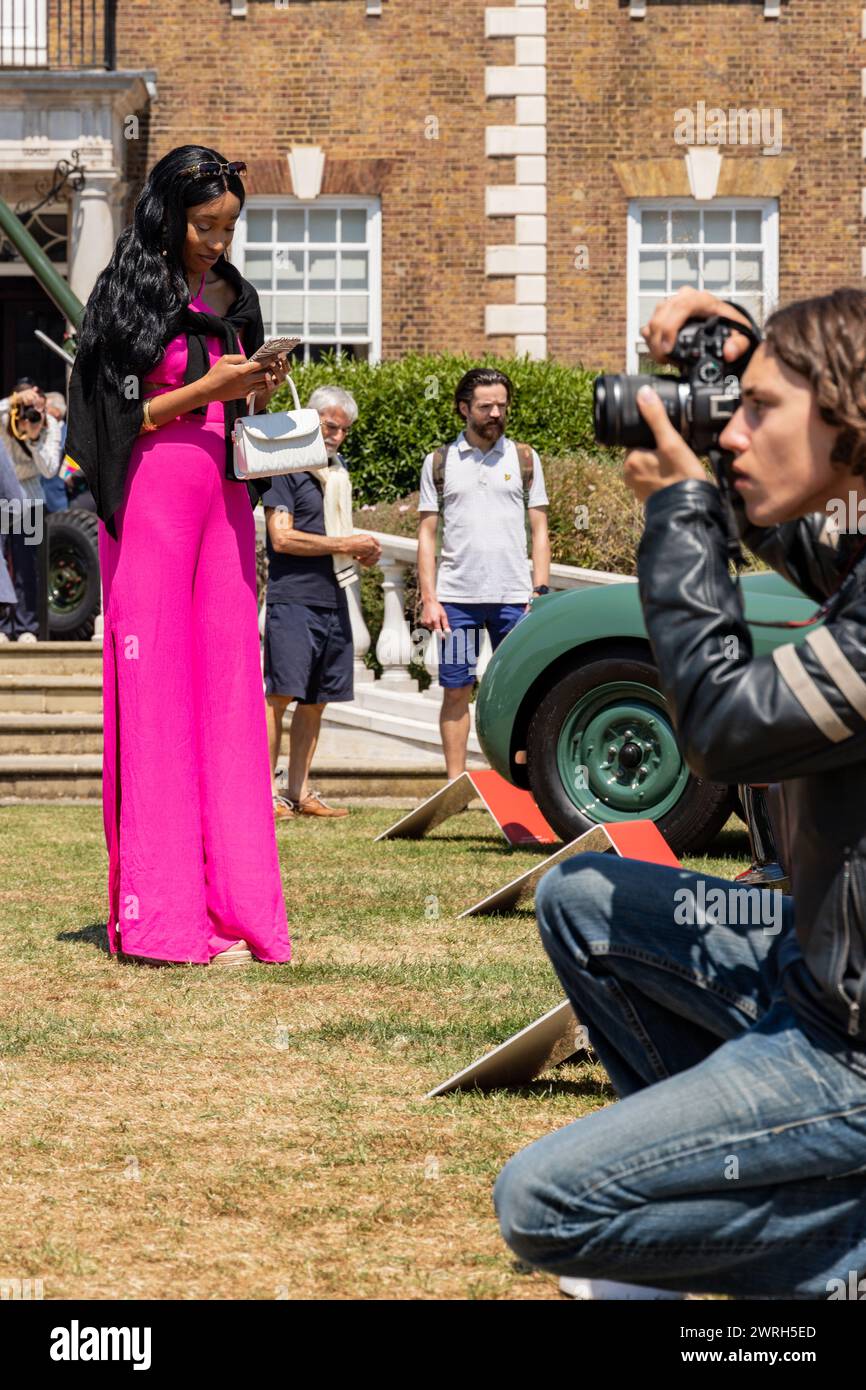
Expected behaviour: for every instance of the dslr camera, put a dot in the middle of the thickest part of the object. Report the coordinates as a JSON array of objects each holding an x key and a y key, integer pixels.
[{"x": 699, "y": 402}]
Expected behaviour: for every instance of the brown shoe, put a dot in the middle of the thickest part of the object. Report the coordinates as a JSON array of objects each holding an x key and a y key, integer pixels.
[
  {"x": 283, "y": 809},
  {"x": 313, "y": 805}
]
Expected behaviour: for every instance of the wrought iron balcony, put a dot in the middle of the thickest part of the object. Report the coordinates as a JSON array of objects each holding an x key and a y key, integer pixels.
[{"x": 57, "y": 34}]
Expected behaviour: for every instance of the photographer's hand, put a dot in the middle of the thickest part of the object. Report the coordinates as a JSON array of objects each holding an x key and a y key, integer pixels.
[
  {"x": 660, "y": 334},
  {"x": 672, "y": 461}
]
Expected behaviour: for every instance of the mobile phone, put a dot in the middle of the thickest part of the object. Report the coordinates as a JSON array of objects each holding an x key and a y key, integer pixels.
[{"x": 272, "y": 348}]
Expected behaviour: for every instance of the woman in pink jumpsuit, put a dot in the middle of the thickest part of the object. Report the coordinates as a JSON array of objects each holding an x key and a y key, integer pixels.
[{"x": 188, "y": 812}]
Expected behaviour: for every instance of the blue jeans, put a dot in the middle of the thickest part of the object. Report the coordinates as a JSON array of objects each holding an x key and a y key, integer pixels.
[
  {"x": 55, "y": 494},
  {"x": 458, "y": 654},
  {"x": 22, "y": 616},
  {"x": 736, "y": 1161}
]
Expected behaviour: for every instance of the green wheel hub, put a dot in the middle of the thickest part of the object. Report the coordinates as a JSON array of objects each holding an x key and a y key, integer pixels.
[
  {"x": 67, "y": 579},
  {"x": 617, "y": 754}
]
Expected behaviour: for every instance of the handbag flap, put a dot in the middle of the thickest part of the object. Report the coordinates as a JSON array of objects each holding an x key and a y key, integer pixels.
[{"x": 290, "y": 426}]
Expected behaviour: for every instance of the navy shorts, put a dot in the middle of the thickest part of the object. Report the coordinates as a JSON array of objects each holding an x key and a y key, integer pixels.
[
  {"x": 309, "y": 654},
  {"x": 458, "y": 652}
]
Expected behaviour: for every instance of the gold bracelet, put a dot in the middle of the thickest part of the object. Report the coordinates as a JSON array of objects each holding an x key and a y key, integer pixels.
[{"x": 147, "y": 423}]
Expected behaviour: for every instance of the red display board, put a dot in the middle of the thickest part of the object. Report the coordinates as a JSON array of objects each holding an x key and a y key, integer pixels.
[
  {"x": 513, "y": 810},
  {"x": 641, "y": 839}
]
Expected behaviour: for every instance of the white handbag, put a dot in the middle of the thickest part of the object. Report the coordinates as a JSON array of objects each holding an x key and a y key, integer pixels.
[{"x": 287, "y": 441}]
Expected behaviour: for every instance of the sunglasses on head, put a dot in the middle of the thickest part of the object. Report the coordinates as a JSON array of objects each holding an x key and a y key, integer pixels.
[{"x": 210, "y": 168}]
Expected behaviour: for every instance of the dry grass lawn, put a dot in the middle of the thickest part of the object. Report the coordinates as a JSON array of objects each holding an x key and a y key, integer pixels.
[{"x": 260, "y": 1134}]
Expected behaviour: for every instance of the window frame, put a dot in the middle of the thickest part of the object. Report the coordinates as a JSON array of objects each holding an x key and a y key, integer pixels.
[
  {"x": 769, "y": 209},
  {"x": 16, "y": 265},
  {"x": 373, "y": 208}
]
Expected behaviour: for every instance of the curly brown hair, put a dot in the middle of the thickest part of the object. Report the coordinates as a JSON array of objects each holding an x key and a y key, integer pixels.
[{"x": 824, "y": 339}]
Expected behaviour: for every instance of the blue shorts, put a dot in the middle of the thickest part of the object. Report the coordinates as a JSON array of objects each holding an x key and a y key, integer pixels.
[
  {"x": 309, "y": 654},
  {"x": 458, "y": 652}
]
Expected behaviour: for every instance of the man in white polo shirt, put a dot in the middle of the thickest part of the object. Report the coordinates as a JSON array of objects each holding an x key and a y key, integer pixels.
[{"x": 485, "y": 485}]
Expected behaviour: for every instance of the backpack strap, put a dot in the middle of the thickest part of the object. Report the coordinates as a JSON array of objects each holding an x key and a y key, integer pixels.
[
  {"x": 524, "y": 455},
  {"x": 527, "y": 469},
  {"x": 439, "y": 457}
]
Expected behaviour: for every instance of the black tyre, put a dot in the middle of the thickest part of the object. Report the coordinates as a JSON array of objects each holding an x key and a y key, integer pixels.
[
  {"x": 73, "y": 575},
  {"x": 602, "y": 747}
]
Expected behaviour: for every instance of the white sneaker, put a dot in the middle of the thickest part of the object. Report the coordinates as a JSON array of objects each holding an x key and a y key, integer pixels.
[
  {"x": 4, "y": 637},
  {"x": 599, "y": 1289},
  {"x": 28, "y": 637}
]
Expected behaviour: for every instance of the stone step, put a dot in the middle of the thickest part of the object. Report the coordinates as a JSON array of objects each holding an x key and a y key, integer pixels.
[
  {"x": 44, "y": 778},
  {"x": 420, "y": 733},
  {"x": 50, "y": 703},
  {"x": 50, "y": 733},
  {"x": 41, "y": 778},
  {"x": 424, "y": 707},
  {"x": 41, "y": 732},
  {"x": 62, "y": 714},
  {"x": 31, "y": 693},
  {"x": 50, "y": 658}
]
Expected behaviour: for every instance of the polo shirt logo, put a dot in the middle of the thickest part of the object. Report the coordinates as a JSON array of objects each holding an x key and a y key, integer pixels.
[{"x": 508, "y": 477}]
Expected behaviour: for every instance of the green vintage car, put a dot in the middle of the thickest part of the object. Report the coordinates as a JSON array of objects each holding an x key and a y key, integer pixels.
[{"x": 570, "y": 708}]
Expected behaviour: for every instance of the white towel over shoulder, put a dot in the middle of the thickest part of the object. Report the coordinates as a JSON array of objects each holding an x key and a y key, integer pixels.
[{"x": 337, "y": 487}]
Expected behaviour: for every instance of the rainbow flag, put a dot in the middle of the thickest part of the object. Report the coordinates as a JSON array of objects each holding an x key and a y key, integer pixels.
[{"x": 68, "y": 467}]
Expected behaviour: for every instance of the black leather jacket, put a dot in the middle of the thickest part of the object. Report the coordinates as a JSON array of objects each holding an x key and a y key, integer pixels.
[{"x": 796, "y": 716}]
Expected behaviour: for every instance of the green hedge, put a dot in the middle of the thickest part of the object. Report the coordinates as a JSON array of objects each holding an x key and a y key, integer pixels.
[{"x": 406, "y": 410}]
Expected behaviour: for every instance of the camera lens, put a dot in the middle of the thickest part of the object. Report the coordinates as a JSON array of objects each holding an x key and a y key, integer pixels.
[{"x": 618, "y": 421}]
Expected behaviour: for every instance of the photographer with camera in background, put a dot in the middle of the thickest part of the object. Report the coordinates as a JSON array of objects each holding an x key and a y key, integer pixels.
[
  {"x": 11, "y": 498},
  {"x": 32, "y": 439},
  {"x": 54, "y": 488},
  {"x": 734, "y": 1162}
]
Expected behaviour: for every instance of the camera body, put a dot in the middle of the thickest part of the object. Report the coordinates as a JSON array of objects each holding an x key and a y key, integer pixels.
[
  {"x": 699, "y": 402},
  {"x": 31, "y": 416}
]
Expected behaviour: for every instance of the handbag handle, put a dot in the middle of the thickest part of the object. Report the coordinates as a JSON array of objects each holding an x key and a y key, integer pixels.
[{"x": 291, "y": 380}]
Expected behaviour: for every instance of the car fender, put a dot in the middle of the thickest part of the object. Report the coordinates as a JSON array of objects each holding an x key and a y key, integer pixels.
[{"x": 528, "y": 661}]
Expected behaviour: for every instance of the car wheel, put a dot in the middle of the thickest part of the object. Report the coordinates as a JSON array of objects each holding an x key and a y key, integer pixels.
[
  {"x": 602, "y": 748},
  {"x": 73, "y": 575}
]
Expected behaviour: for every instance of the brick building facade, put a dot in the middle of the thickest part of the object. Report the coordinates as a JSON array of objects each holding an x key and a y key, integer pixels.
[{"x": 529, "y": 176}]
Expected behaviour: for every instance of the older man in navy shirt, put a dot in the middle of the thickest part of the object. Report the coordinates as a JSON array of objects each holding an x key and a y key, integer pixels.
[{"x": 309, "y": 653}]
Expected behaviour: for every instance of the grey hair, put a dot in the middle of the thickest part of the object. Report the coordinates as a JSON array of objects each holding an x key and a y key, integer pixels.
[
  {"x": 327, "y": 396},
  {"x": 57, "y": 399}
]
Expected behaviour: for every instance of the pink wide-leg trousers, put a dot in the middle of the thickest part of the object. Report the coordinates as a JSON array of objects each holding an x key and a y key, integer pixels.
[{"x": 188, "y": 813}]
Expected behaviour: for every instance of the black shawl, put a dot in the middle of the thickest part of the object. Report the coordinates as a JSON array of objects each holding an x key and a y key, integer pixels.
[{"x": 104, "y": 423}]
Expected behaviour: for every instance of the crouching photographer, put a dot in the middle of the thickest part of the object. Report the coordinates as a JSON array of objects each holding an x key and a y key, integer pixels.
[{"x": 734, "y": 1162}]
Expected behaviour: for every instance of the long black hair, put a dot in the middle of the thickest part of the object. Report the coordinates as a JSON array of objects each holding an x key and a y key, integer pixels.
[{"x": 140, "y": 295}]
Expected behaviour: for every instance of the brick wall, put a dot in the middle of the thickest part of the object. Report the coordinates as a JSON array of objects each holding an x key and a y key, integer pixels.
[
  {"x": 364, "y": 89},
  {"x": 613, "y": 87},
  {"x": 323, "y": 73}
]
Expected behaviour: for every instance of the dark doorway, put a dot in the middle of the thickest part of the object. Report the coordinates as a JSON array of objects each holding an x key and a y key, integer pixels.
[{"x": 24, "y": 306}]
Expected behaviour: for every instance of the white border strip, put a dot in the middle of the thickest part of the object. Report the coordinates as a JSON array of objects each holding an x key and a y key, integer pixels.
[{"x": 526, "y": 199}]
